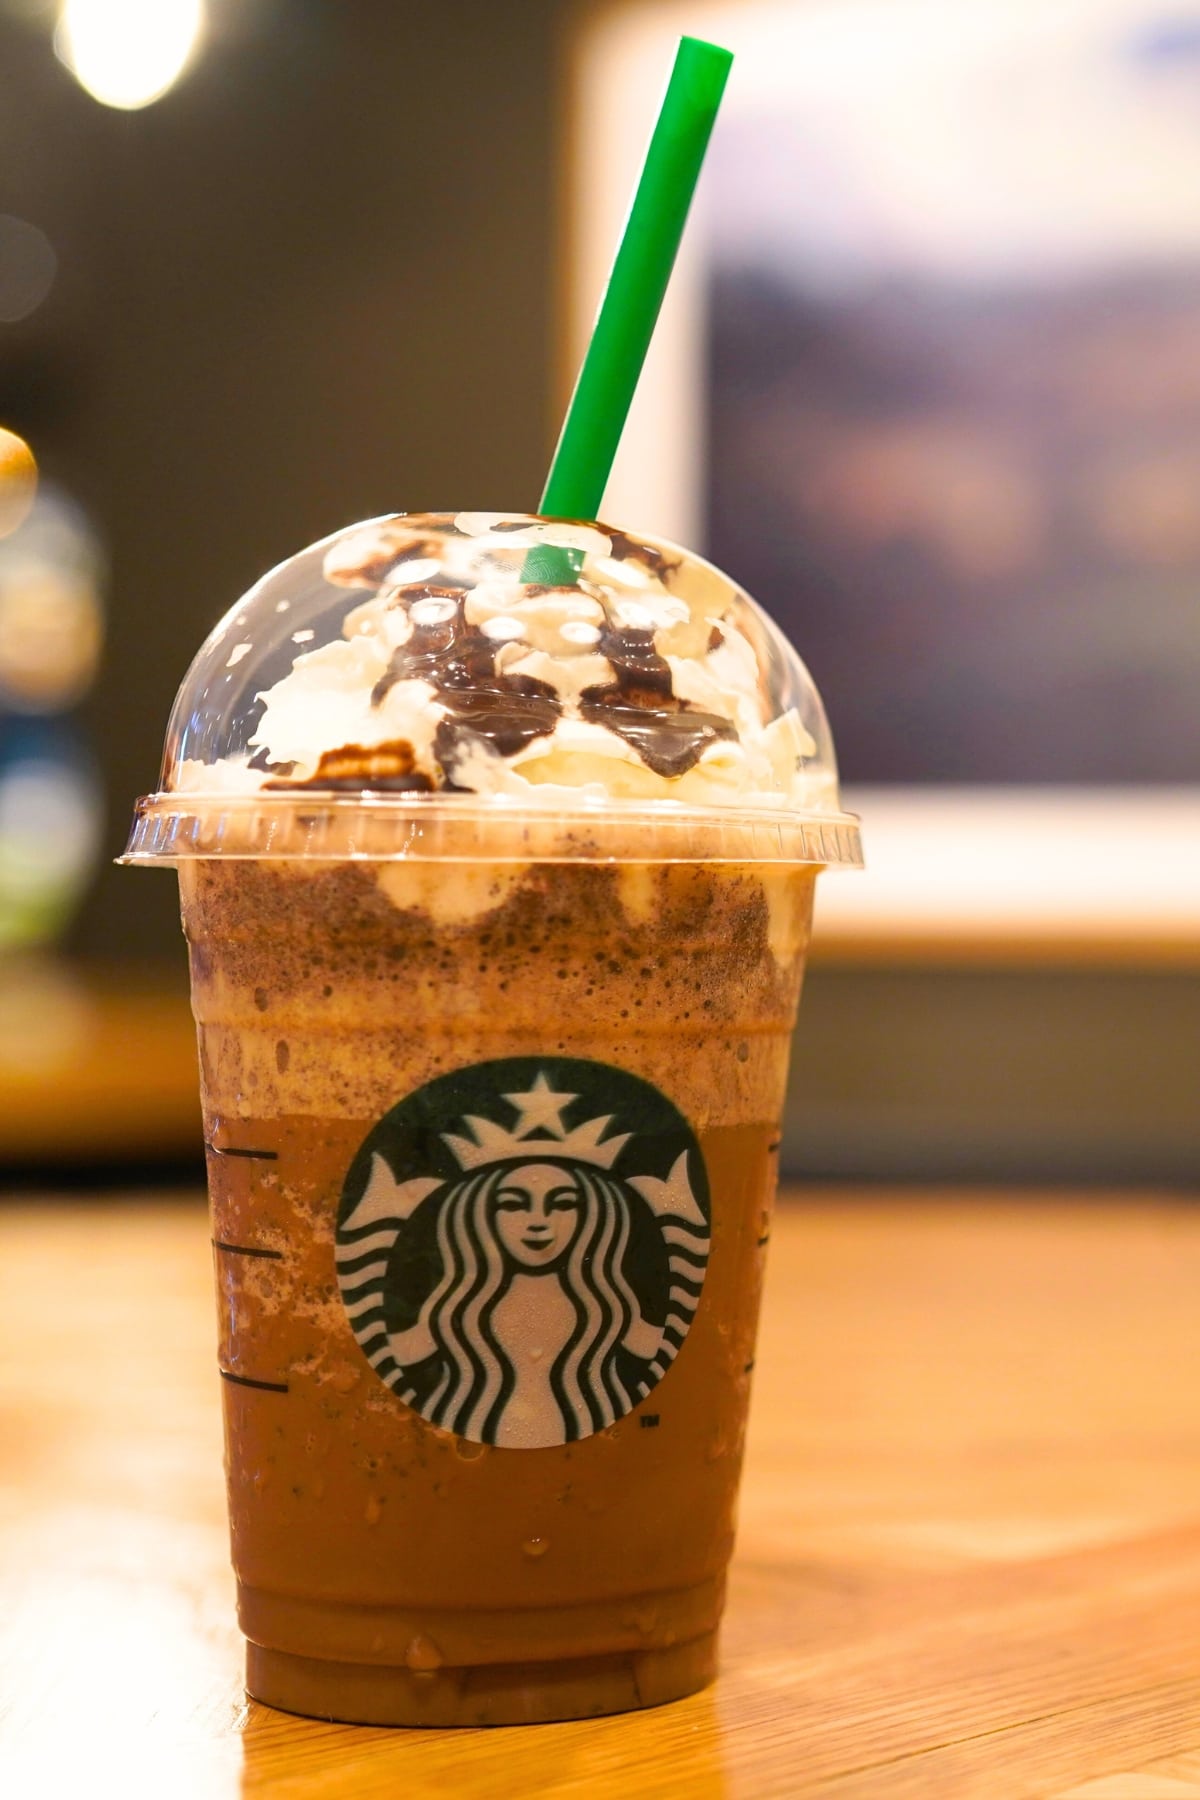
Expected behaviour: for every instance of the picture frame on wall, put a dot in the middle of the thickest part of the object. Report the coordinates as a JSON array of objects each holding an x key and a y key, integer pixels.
[{"x": 928, "y": 382}]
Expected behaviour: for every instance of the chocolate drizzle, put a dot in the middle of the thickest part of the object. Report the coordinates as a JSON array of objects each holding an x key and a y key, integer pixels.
[
  {"x": 482, "y": 704},
  {"x": 445, "y": 652},
  {"x": 669, "y": 743},
  {"x": 641, "y": 706},
  {"x": 505, "y": 720},
  {"x": 358, "y": 768},
  {"x": 365, "y": 558},
  {"x": 489, "y": 707},
  {"x": 643, "y": 676},
  {"x": 630, "y": 549}
]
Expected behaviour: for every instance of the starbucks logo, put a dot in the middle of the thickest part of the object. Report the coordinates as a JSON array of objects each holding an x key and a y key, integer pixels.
[{"x": 521, "y": 1247}]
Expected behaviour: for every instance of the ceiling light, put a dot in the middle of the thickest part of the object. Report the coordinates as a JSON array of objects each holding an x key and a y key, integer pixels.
[{"x": 127, "y": 53}]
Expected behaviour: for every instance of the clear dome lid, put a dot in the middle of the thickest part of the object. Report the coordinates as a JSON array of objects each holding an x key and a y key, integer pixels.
[{"x": 444, "y": 684}]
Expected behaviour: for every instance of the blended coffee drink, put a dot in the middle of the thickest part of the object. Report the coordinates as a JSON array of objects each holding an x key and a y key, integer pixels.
[{"x": 497, "y": 893}]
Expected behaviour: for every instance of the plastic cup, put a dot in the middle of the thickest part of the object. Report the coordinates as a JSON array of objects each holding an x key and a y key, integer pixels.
[{"x": 492, "y": 1085}]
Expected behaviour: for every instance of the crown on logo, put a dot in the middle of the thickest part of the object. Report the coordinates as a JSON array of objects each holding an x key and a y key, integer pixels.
[{"x": 541, "y": 1111}]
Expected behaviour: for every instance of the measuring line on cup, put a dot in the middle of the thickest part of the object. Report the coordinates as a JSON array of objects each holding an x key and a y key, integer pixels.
[
  {"x": 269, "y": 1387},
  {"x": 256, "y": 1252},
  {"x": 764, "y": 1240}
]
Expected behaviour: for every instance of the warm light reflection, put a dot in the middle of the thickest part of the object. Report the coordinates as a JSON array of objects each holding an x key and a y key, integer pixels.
[
  {"x": 127, "y": 53},
  {"x": 18, "y": 481}
]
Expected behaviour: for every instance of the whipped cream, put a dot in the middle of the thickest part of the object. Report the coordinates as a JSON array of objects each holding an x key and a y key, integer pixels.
[{"x": 535, "y": 661}]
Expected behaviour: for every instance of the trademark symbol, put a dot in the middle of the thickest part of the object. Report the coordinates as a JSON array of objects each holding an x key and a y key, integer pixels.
[{"x": 649, "y": 1421}]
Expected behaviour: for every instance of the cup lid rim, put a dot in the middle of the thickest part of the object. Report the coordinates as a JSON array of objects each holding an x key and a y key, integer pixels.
[{"x": 316, "y": 825}]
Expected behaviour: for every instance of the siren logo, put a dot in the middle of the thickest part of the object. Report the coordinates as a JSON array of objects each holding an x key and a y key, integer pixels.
[{"x": 521, "y": 1247}]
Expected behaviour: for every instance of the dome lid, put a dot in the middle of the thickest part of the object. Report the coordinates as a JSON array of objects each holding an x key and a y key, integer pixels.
[{"x": 440, "y": 684}]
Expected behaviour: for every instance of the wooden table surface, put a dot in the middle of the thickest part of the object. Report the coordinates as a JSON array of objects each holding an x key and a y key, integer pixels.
[{"x": 969, "y": 1559}]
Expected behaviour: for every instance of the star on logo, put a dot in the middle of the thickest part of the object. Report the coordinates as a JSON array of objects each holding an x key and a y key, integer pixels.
[
  {"x": 541, "y": 1109},
  {"x": 541, "y": 1112}
]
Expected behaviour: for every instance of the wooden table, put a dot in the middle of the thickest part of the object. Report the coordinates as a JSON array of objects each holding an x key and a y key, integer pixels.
[{"x": 969, "y": 1561}]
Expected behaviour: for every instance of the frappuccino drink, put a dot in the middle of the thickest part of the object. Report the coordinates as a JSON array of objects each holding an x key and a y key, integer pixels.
[{"x": 497, "y": 893}]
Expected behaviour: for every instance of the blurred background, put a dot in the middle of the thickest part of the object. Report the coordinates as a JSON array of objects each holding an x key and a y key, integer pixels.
[{"x": 928, "y": 382}]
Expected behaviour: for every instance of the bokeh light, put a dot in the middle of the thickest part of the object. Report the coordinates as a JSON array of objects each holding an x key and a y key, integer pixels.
[
  {"x": 18, "y": 481},
  {"x": 27, "y": 268},
  {"x": 50, "y": 609},
  {"x": 50, "y": 813},
  {"x": 127, "y": 53},
  {"x": 51, "y": 573}
]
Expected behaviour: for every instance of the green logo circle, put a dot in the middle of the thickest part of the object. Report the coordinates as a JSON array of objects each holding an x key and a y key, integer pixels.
[{"x": 521, "y": 1247}]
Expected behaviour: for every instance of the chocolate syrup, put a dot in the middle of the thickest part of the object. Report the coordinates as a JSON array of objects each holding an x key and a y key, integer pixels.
[
  {"x": 641, "y": 706},
  {"x": 628, "y": 549},
  {"x": 505, "y": 712},
  {"x": 401, "y": 539},
  {"x": 506, "y": 721},
  {"x": 358, "y": 768},
  {"x": 447, "y": 653},
  {"x": 639, "y": 669},
  {"x": 670, "y": 743}
]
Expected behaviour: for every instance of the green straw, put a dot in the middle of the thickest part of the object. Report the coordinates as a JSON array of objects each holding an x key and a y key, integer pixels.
[{"x": 634, "y": 294}]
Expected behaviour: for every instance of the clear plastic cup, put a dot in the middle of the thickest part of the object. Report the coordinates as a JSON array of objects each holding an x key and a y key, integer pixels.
[{"x": 494, "y": 1017}]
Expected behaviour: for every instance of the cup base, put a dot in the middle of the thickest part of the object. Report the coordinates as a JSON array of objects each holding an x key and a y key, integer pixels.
[{"x": 490, "y": 1694}]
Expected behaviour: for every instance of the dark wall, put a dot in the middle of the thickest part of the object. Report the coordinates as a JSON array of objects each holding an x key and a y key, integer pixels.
[{"x": 313, "y": 283}]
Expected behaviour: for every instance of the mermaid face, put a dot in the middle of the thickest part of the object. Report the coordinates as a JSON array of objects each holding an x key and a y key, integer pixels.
[{"x": 537, "y": 1213}]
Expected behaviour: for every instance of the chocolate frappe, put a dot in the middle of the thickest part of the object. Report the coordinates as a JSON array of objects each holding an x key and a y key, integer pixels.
[{"x": 497, "y": 896}]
